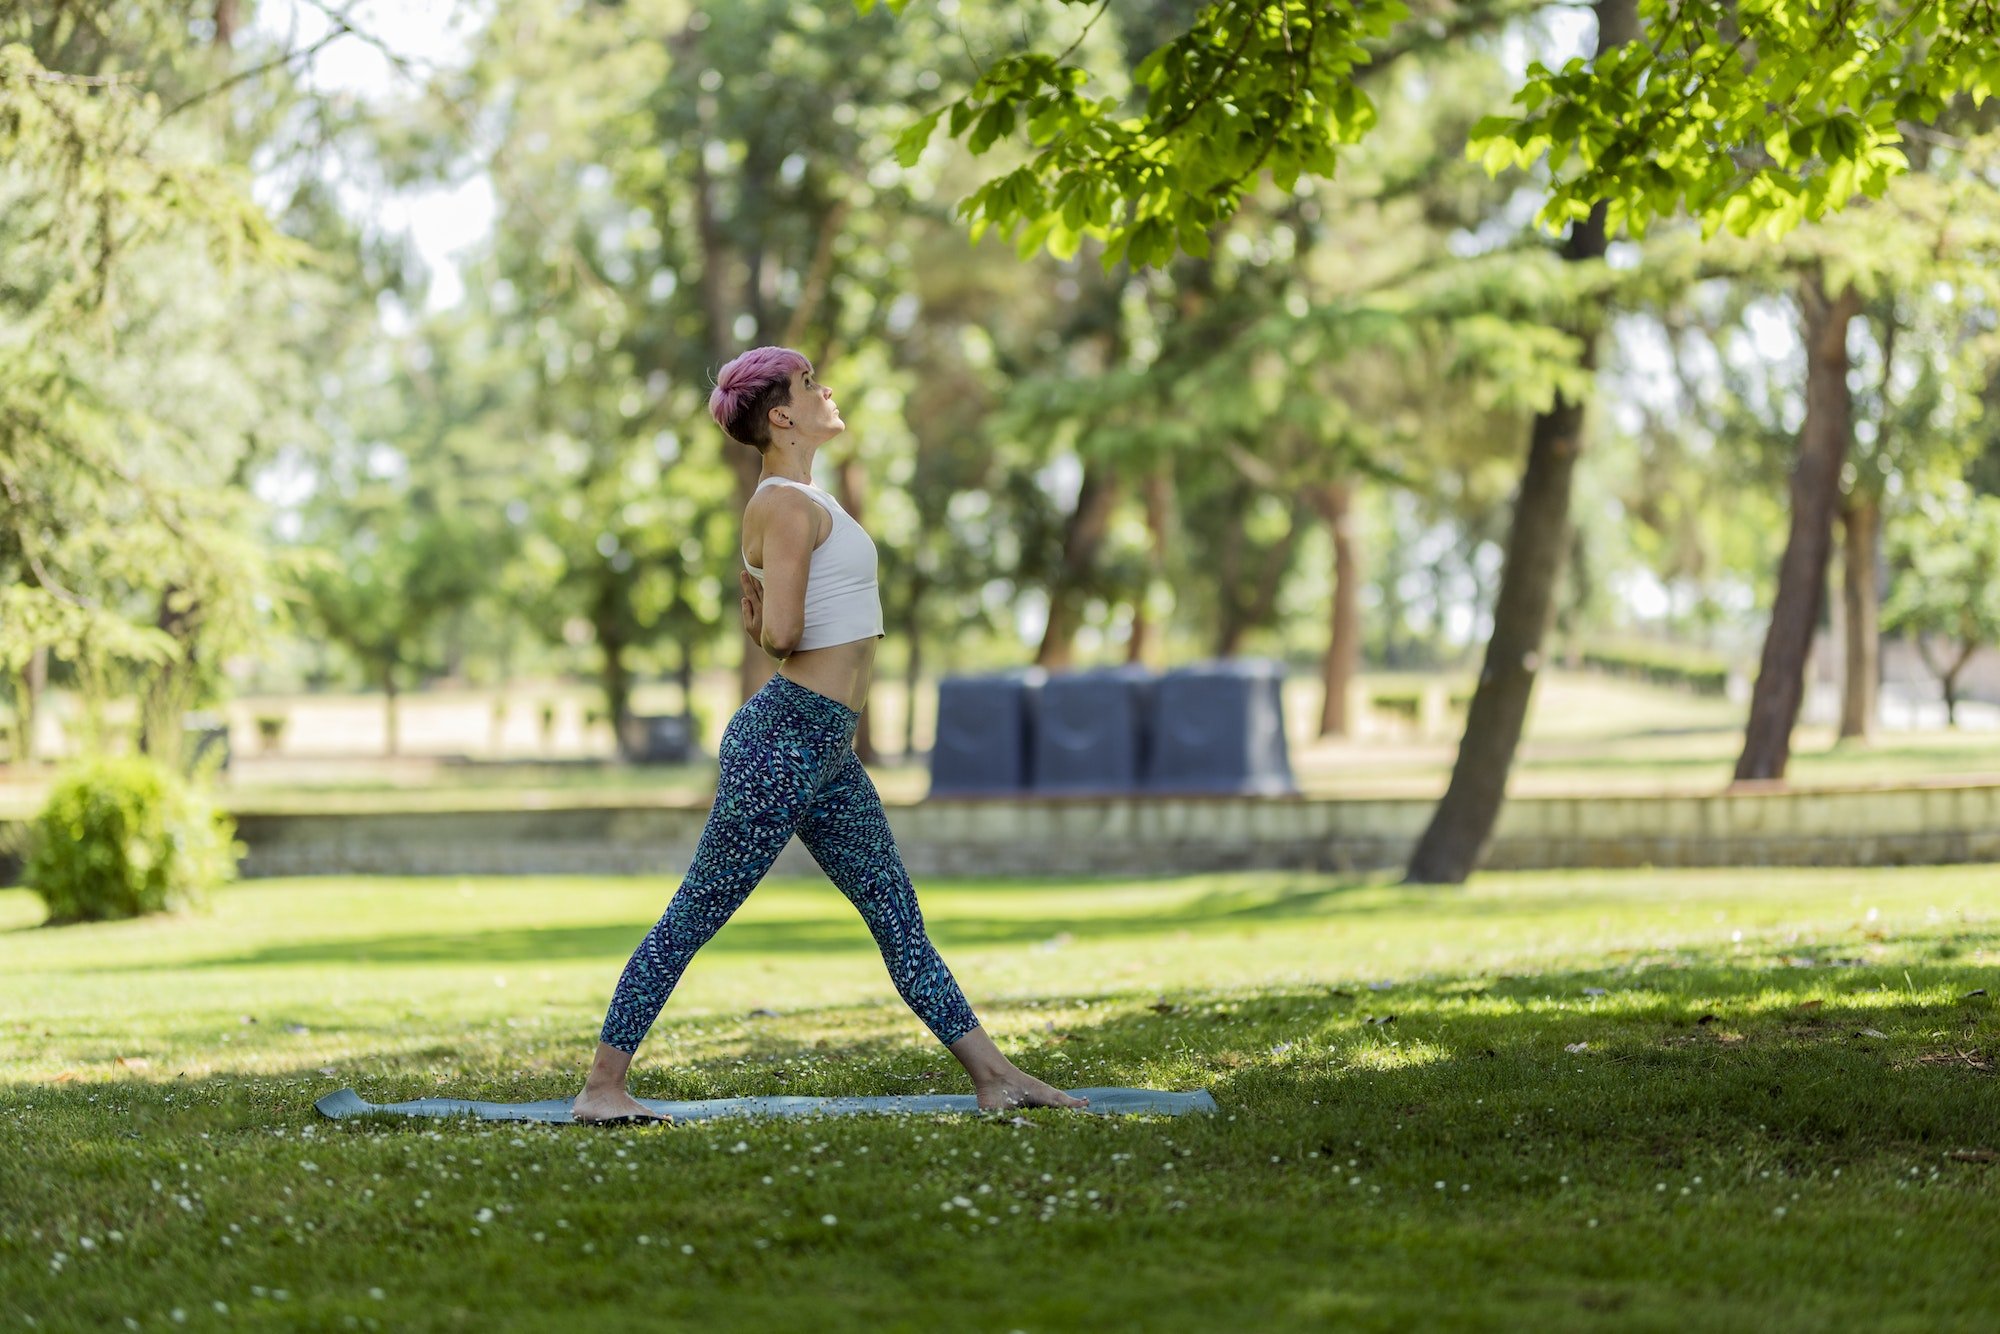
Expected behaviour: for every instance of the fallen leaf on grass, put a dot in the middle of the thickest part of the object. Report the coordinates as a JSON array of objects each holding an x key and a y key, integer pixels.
[
  {"x": 1163, "y": 1007},
  {"x": 1595, "y": 991},
  {"x": 1870, "y": 1033},
  {"x": 1811, "y": 1004},
  {"x": 1706, "y": 1019},
  {"x": 1384, "y": 1019},
  {"x": 1577, "y": 1046},
  {"x": 1344, "y": 995},
  {"x": 761, "y": 1013},
  {"x": 133, "y": 1062},
  {"x": 1976, "y": 991},
  {"x": 67, "y": 1076},
  {"x": 1974, "y": 1156}
]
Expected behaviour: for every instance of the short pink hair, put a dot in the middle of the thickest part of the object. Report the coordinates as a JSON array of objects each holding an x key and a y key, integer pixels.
[{"x": 749, "y": 387}]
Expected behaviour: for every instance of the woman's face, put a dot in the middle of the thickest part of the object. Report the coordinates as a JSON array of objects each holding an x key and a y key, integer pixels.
[{"x": 811, "y": 413}]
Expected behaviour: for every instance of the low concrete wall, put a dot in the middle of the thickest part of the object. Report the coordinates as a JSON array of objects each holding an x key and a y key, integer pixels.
[{"x": 1118, "y": 836}]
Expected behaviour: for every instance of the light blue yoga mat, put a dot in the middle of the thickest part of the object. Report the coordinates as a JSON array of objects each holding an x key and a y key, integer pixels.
[{"x": 1104, "y": 1101}]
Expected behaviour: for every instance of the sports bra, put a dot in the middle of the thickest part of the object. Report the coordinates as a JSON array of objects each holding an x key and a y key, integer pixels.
[{"x": 843, "y": 600}]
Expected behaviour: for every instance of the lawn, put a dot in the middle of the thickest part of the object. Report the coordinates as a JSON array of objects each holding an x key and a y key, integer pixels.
[{"x": 1757, "y": 1100}]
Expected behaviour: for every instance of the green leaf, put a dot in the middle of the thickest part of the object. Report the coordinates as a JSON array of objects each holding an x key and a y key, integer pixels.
[{"x": 910, "y": 143}]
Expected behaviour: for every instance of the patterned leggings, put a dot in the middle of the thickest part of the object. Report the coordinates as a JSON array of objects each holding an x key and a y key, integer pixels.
[{"x": 788, "y": 766}]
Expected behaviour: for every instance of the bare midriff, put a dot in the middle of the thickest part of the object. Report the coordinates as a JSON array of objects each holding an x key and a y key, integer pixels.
[{"x": 838, "y": 671}]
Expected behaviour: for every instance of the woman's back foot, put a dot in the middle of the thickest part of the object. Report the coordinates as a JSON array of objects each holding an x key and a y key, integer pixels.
[{"x": 1020, "y": 1089}]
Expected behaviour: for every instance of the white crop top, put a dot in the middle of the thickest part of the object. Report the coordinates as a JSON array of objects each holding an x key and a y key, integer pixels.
[{"x": 843, "y": 600}]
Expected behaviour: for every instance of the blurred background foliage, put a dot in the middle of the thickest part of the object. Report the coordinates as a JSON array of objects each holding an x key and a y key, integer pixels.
[{"x": 251, "y": 440}]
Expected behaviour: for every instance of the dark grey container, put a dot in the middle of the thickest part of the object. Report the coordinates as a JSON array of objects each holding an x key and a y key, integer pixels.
[
  {"x": 662, "y": 738},
  {"x": 1219, "y": 727},
  {"x": 985, "y": 727},
  {"x": 1090, "y": 730}
]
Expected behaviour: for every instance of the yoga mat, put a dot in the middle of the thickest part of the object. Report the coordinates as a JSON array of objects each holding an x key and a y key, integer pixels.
[{"x": 1104, "y": 1101}]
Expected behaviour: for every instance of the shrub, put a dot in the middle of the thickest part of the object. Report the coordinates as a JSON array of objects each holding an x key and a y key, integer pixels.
[
  {"x": 122, "y": 836},
  {"x": 270, "y": 730},
  {"x": 1661, "y": 664}
]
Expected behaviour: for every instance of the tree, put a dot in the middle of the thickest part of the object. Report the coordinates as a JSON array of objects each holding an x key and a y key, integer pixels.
[
  {"x": 1632, "y": 136},
  {"x": 1946, "y": 594},
  {"x": 135, "y": 263}
]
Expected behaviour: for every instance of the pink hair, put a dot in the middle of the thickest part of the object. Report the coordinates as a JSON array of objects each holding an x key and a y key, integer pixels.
[{"x": 749, "y": 387}]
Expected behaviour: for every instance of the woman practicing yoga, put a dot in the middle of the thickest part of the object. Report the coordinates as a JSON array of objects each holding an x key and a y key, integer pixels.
[{"x": 788, "y": 761}]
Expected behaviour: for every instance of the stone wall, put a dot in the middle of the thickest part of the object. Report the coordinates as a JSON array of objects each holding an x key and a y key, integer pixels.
[{"x": 1120, "y": 836}]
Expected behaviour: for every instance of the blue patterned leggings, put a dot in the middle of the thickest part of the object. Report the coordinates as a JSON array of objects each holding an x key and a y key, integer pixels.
[{"x": 789, "y": 767}]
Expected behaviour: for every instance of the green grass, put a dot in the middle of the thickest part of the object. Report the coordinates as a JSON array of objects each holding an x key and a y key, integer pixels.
[{"x": 1783, "y": 1114}]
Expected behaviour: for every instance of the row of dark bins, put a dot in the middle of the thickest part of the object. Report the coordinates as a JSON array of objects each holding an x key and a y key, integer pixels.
[{"x": 1209, "y": 727}]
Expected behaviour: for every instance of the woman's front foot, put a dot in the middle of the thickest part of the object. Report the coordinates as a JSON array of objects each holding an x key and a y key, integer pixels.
[
  {"x": 1017, "y": 1088},
  {"x": 611, "y": 1104}
]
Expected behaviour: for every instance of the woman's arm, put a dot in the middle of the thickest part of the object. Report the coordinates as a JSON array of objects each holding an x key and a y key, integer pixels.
[{"x": 781, "y": 600}]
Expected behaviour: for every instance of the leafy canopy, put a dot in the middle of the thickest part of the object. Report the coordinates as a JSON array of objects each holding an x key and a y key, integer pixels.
[{"x": 1749, "y": 114}]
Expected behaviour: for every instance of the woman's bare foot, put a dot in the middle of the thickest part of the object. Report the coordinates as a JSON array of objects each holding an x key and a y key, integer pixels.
[
  {"x": 1020, "y": 1089},
  {"x": 611, "y": 1104}
]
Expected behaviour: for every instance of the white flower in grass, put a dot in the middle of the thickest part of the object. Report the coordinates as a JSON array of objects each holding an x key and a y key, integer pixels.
[
  {"x": 483, "y": 1216},
  {"x": 830, "y": 1220}
]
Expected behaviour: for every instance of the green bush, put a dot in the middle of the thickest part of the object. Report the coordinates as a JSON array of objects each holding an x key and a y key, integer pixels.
[
  {"x": 1702, "y": 673},
  {"x": 122, "y": 836}
]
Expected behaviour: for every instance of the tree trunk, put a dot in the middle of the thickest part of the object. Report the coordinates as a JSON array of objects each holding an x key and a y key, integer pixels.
[
  {"x": 226, "y": 13},
  {"x": 1082, "y": 535},
  {"x": 1147, "y": 638},
  {"x": 169, "y": 687},
  {"x": 618, "y": 694},
  {"x": 1861, "y": 524},
  {"x": 34, "y": 681},
  {"x": 1950, "y": 682},
  {"x": 1343, "y": 649},
  {"x": 913, "y": 666},
  {"x": 753, "y": 667},
  {"x": 684, "y": 674},
  {"x": 1463, "y": 823},
  {"x": 854, "y": 499},
  {"x": 389, "y": 719},
  {"x": 1239, "y": 621},
  {"x": 1815, "y": 488}
]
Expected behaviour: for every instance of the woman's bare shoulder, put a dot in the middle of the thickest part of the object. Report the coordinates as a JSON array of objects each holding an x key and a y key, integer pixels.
[{"x": 773, "y": 501}]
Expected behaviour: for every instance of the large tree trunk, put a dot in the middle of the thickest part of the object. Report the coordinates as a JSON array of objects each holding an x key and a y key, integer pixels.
[
  {"x": 1460, "y": 828},
  {"x": 1343, "y": 648},
  {"x": 1815, "y": 487},
  {"x": 1861, "y": 524},
  {"x": 1082, "y": 535}
]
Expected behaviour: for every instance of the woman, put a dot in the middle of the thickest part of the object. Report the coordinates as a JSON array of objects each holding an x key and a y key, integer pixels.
[{"x": 810, "y": 600}]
